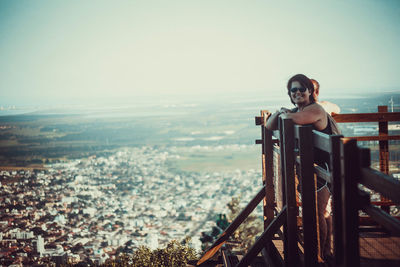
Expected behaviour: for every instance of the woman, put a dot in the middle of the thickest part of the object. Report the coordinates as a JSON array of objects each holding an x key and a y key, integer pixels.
[{"x": 307, "y": 111}]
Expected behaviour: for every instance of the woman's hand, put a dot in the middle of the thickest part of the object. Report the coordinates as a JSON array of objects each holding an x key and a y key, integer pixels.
[
  {"x": 272, "y": 122},
  {"x": 284, "y": 110}
]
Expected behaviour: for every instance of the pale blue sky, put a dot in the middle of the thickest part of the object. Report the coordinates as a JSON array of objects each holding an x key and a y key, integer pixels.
[{"x": 72, "y": 50}]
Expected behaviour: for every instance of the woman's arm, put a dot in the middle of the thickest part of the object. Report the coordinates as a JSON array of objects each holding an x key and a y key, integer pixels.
[
  {"x": 312, "y": 114},
  {"x": 272, "y": 122}
]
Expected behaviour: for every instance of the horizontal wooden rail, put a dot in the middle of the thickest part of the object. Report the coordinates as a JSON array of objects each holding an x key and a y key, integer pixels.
[
  {"x": 321, "y": 141},
  {"x": 260, "y": 142},
  {"x": 233, "y": 226},
  {"x": 376, "y": 138},
  {"x": 368, "y": 117},
  {"x": 382, "y": 183},
  {"x": 259, "y": 120},
  {"x": 384, "y": 219},
  {"x": 356, "y": 117},
  {"x": 266, "y": 235}
]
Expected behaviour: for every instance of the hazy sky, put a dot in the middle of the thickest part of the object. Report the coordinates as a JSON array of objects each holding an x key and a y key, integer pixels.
[{"x": 69, "y": 50}]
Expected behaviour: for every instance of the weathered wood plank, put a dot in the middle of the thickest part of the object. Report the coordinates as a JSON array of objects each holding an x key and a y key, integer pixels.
[
  {"x": 282, "y": 182},
  {"x": 306, "y": 176},
  {"x": 337, "y": 203},
  {"x": 376, "y": 138},
  {"x": 271, "y": 255},
  {"x": 367, "y": 117},
  {"x": 384, "y": 219},
  {"x": 291, "y": 251},
  {"x": 233, "y": 226},
  {"x": 350, "y": 167},
  {"x": 383, "y": 149},
  {"x": 261, "y": 241},
  {"x": 259, "y": 120},
  {"x": 268, "y": 177},
  {"x": 321, "y": 141},
  {"x": 382, "y": 183},
  {"x": 378, "y": 246},
  {"x": 225, "y": 258}
]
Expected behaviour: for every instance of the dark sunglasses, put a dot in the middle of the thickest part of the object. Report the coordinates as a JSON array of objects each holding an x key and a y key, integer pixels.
[{"x": 301, "y": 89}]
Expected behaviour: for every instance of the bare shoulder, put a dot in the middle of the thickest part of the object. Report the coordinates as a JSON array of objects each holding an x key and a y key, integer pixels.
[{"x": 315, "y": 107}]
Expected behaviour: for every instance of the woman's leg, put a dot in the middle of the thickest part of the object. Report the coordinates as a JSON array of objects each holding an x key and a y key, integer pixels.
[{"x": 324, "y": 220}]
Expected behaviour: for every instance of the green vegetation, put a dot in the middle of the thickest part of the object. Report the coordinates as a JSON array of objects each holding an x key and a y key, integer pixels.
[
  {"x": 246, "y": 233},
  {"x": 175, "y": 254}
]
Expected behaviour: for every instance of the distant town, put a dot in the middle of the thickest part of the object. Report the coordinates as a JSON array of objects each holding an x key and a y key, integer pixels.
[
  {"x": 87, "y": 186},
  {"x": 91, "y": 209}
]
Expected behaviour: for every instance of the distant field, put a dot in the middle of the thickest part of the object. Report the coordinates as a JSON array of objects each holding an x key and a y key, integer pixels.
[
  {"x": 42, "y": 137},
  {"x": 27, "y": 168},
  {"x": 228, "y": 158}
]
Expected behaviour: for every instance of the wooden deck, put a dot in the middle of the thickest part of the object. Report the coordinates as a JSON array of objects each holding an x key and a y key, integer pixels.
[
  {"x": 370, "y": 238},
  {"x": 379, "y": 249},
  {"x": 376, "y": 249}
]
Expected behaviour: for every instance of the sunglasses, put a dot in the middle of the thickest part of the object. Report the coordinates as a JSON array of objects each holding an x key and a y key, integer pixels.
[{"x": 301, "y": 89}]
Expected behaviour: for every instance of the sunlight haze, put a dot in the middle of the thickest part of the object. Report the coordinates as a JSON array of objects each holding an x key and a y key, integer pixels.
[{"x": 78, "y": 50}]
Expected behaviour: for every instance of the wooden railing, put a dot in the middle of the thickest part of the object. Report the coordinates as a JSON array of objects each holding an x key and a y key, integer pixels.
[
  {"x": 382, "y": 118},
  {"x": 349, "y": 166}
]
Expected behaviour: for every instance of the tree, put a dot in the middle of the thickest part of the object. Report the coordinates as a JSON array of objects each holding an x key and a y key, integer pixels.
[
  {"x": 245, "y": 234},
  {"x": 175, "y": 254},
  {"x": 248, "y": 230}
]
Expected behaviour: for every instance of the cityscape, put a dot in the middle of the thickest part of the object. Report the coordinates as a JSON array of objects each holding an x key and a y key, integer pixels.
[{"x": 94, "y": 208}]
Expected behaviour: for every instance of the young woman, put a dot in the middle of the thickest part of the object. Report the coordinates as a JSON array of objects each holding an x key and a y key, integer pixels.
[{"x": 301, "y": 92}]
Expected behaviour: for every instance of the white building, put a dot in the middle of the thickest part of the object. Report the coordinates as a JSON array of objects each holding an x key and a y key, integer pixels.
[
  {"x": 17, "y": 234},
  {"x": 40, "y": 246},
  {"x": 152, "y": 241}
]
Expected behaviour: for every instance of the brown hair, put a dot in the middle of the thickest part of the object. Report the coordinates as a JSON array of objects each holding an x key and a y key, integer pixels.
[
  {"x": 316, "y": 88},
  {"x": 305, "y": 82}
]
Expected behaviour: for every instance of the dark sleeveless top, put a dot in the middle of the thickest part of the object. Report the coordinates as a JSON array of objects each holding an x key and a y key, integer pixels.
[
  {"x": 328, "y": 128},
  {"x": 321, "y": 157}
]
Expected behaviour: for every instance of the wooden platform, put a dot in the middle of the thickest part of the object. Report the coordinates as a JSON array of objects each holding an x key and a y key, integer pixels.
[
  {"x": 376, "y": 249},
  {"x": 379, "y": 249}
]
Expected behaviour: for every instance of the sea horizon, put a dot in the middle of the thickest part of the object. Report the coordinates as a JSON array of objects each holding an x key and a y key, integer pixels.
[{"x": 84, "y": 106}]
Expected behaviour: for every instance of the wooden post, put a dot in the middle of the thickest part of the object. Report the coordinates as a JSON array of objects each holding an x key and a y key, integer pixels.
[
  {"x": 291, "y": 249},
  {"x": 337, "y": 204},
  {"x": 281, "y": 176},
  {"x": 383, "y": 145},
  {"x": 350, "y": 176},
  {"x": 268, "y": 174},
  {"x": 384, "y": 151},
  {"x": 306, "y": 179}
]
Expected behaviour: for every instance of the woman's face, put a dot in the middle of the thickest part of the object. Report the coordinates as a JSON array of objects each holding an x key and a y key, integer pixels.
[{"x": 298, "y": 97}]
